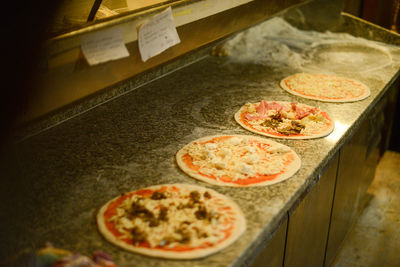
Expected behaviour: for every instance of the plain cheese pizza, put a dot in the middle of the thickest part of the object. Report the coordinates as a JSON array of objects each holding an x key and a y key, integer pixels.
[
  {"x": 238, "y": 160},
  {"x": 324, "y": 87}
]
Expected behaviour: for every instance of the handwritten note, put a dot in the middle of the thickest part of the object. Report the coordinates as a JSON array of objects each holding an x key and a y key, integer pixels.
[
  {"x": 103, "y": 46},
  {"x": 157, "y": 34}
]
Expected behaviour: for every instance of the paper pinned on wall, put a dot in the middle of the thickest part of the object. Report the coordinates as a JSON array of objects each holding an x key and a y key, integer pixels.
[
  {"x": 103, "y": 46},
  {"x": 157, "y": 34}
]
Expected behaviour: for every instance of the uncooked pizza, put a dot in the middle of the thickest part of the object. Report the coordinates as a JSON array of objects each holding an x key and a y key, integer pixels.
[
  {"x": 285, "y": 120},
  {"x": 238, "y": 160},
  {"x": 177, "y": 221},
  {"x": 324, "y": 87}
]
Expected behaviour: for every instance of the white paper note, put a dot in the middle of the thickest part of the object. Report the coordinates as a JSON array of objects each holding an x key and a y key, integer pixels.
[
  {"x": 157, "y": 34},
  {"x": 104, "y": 46}
]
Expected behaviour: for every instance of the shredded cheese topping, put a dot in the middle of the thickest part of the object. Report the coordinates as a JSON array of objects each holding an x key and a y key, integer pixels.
[
  {"x": 237, "y": 157},
  {"x": 190, "y": 222},
  {"x": 325, "y": 86}
]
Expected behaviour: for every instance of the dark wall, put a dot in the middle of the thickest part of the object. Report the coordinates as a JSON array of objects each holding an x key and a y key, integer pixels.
[{"x": 386, "y": 14}]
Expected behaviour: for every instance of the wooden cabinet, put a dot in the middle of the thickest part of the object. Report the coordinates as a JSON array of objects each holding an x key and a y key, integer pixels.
[
  {"x": 347, "y": 193},
  {"x": 301, "y": 239},
  {"x": 273, "y": 253},
  {"x": 309, "y": 222},
  {"x": 357, "y": 163},
  {"x": 313, "y": 233}
]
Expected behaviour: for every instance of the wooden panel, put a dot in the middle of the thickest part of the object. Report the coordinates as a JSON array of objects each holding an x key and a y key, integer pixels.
[
  {"x": 382, "y": 13},
  {"x": 357, "y": 165},
  {"x": 272, "y": 254},
  {"x": 349, "y": 190},
  {"x": 391, "y": 128},
  {"x": 309, "y": 223},
  {"x": 353, "y": 7}
]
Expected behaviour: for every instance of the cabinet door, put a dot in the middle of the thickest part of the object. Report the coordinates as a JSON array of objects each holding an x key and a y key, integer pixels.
[
  {"x": 349, "y": 190},
  {"x": 272, "y": 254},
  {"x": 309, "y": 223}
]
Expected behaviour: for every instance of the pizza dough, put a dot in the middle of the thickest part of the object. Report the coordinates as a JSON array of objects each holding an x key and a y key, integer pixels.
[
  {"x": 177, "y": 221},
  {"x": 284, "y": 120},
  {"x": 238, "y": 160},
  {"x": 324, "y": 87}
]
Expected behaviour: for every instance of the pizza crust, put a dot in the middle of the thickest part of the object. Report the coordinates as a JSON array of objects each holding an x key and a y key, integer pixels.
[
  {"x": 289, "y": 170},
  {"x": 366, "y": 91},
  {"x": 325, "y": 132},
  {"x": 238, "y": 228}
]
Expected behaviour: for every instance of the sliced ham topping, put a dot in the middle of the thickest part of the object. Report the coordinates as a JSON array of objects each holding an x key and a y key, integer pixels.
[
  {"x": 301, "y": 113},
  {"x": 275, "y": 106},
  {"x": 314, "y": 111},
  {"x": 256, "y": 117},
  {"x": 265, "y": 106},
  {"x": 262, "y": 108}
]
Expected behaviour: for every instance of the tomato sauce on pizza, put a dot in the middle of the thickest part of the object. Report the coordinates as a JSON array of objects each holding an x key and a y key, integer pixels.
[
  {"x": 324, "y": 87},
  {"x": 288, "y": 120},
  {"x": 238, "y": 160},
  {"x": 177, "y": 221}
]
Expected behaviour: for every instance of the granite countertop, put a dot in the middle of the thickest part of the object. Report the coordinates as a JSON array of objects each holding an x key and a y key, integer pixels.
[{"x": 57, "y": 180}]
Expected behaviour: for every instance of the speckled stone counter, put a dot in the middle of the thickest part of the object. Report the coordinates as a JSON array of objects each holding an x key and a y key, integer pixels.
[{"x": 57, "y": 180}]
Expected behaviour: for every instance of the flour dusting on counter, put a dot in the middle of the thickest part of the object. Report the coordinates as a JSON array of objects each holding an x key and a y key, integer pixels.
[{"x": 278, "y": 44}]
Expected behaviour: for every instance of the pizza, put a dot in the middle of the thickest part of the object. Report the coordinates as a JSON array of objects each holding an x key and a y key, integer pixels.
[
  {"x": 284, "y": 120},
  {"x": 324, "y": 87},
  {"x": 176, "y": 221},
  {"x": 238, "y": 160}
]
